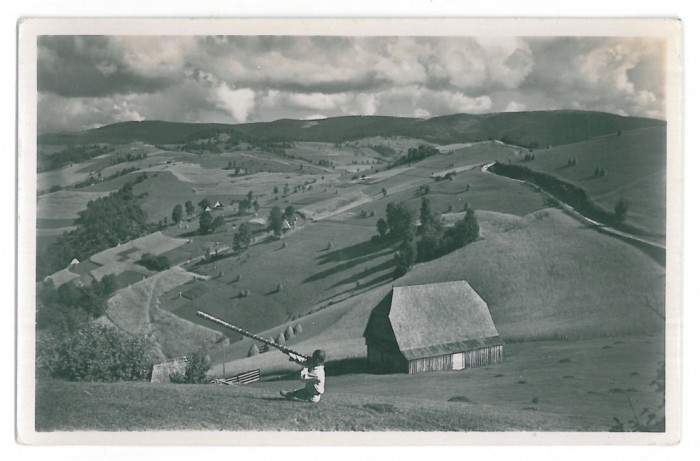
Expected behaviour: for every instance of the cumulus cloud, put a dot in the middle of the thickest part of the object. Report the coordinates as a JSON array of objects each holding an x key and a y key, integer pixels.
[
  {"x": 515, "y": 106},
  {"x": 97, "y": 80},
  {"x": 93, "y": 67},
  {"x": 238, "y": 103}
]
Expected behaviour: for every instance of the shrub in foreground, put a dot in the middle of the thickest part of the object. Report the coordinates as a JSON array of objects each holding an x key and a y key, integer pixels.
[
  {"x": 198, "y": 364},
  {"x": 96, "y": 353}
]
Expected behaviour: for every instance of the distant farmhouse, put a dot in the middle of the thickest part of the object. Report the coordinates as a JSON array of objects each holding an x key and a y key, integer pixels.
[{"x": 434, "y": 327}]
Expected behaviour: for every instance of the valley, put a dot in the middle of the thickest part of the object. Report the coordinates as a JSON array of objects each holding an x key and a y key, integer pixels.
[{"x": 582, "y": 313}]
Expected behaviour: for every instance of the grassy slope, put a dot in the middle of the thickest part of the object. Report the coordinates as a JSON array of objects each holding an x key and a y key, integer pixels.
[
  {"x": 636, "y": 171},
  {"x": 547, "y": 276},
  {"x": 551, "y": 386},
  {"x": 539, "y": 283}
]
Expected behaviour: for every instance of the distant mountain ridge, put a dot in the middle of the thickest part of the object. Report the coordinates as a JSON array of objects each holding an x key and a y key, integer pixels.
[{"x": 529, "y": 129}]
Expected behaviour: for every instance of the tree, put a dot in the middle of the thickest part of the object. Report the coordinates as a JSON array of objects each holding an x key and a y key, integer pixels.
[
  {"x": 289, "y": 213},
  {"x": 218, "y": 222},
  {"x": 427, "y": 217},
  {"x": 204, "y": 203},
  {"x": 275, "y": 190},
  {"x": 430, "y": 244},
  {"x": 382, "y": 227},
  {"x": 177, "y": 214},
  {"x": 205, "y": 222},
  {"x": 244, "y": 205},
  {"x": 154, "y": 263},
  {"x": 472, "y": 225},
  {"x": 243, "y": 237},
  {"x": 400, "y": 220},
  {"x": 249, "y": 195},
  {"x": 198, "y": 364},
  {"x": 406, "y": 254},
  {"x": 621, "y": 208},
  {"x": 189, "y": 208},
  {"x": 274, "y": 221}
]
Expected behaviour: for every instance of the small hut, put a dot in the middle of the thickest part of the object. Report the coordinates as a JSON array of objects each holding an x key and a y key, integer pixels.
[
  {"x": 433, "y": 327},
  {"x": 162, "y": 372}
]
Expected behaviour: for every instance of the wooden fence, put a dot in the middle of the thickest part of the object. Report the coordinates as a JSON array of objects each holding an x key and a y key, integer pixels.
[{"x": 243, "y": 378}]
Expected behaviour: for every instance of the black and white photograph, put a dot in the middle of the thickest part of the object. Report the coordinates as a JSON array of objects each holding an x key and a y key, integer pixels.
[{"x": 456, "y": 230}]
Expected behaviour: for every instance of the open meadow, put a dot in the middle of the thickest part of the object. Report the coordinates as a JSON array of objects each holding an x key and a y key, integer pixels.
[
  {"x": 581, "y": 313},
  {"x": 635, "y": 170},
  {"x": 540, "y": 386}
]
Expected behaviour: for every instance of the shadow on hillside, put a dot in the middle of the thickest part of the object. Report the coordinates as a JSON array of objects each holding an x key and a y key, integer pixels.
[
  {"x": 346, "y": 366},
  {"x": 354, "y": 251},
  {"x": 364, "y": 287},
  {"x": 382, "y": 250},
  {"x": 365, "y": 273}
]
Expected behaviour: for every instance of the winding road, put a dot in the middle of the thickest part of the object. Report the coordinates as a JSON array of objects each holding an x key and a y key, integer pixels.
[{"x": 577, "y": 215}]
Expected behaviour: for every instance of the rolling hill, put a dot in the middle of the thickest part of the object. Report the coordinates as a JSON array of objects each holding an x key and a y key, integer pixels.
[
  {"x": 582, "y": 312},
  {"x": 522, "y": 128}
]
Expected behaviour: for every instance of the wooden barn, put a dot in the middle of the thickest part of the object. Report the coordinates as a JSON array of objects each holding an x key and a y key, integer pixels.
[{"x": 434, "y": 327}]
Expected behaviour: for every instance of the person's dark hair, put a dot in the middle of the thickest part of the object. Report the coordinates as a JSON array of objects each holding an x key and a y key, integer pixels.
[{"x": 319, "y": 356}]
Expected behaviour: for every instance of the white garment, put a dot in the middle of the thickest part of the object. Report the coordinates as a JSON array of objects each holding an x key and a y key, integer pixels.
[{"x": 315, "y": 379}]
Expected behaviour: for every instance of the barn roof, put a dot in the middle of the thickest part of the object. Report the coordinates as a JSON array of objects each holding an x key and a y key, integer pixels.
[{"x": 440, "y": 318}]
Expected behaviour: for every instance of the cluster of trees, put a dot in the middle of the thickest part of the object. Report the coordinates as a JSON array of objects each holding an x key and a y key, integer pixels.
[
  {"x": 276, "y": 218},
  {"x": 208, "y": 223},
  {"x": 515, "y": 142},
  {"x": 93, "y": 180},
  {"x": 431, "y": 240},
  {"x": 129, "y": 157},
  {"x": 567, "y": 193},
  {"x": 572, "y": 162},
  {"x": 529, "y": 157},
  {"x": 247, "y": 203},
  {"x": 70, "y": 346},
  {"x": 448, "y": 176},
  {"x": 105, "y": 222},
  {"x": 69, "y": 306},
  {"x": 415, "y": 154},
  {"x": 69, "y": 155},
  {"x": 384, "y": 151},
  {"x": 154, "y": 263},
  {"x": 242, "y": 237},
  {"x": 600, "y": 172}
]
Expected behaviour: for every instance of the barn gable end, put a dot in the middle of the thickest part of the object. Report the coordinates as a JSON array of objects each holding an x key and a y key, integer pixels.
[{"x": 440, "y": 326}]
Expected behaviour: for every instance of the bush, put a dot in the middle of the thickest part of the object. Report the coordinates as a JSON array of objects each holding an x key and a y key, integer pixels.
[
  {"x": 198, "y": 364},
  {"x": 154, "y": 263},
  {"x": 96, "y": 353}
]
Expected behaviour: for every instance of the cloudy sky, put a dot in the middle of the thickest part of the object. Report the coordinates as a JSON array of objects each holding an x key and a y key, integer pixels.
[{"x": 89, "y": 81}]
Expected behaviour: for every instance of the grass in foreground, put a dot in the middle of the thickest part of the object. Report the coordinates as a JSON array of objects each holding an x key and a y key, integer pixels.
[{"x": 547, "y": 386}]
